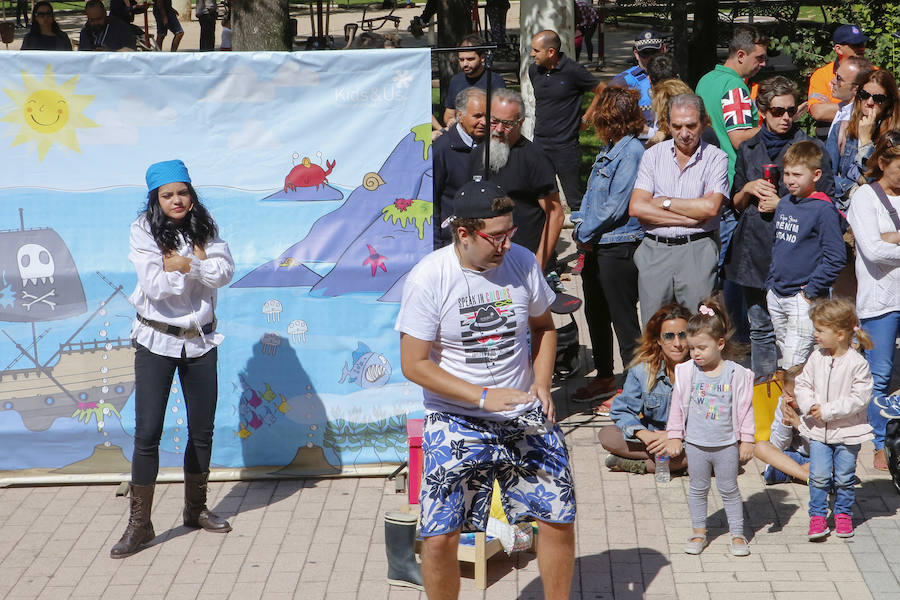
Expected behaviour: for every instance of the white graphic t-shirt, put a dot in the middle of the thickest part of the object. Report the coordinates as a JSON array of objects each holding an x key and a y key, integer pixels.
[{"x": 477, "y": 322}]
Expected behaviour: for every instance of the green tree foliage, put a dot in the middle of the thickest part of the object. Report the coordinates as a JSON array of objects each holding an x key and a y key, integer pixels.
[{"x": 811, "y": 46}]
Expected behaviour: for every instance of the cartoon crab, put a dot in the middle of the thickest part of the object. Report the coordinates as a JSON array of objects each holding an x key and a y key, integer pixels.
[{"x": 306, "y": 174}]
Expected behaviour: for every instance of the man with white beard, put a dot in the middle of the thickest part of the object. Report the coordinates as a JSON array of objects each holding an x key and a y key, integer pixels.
[{"x": 523, "y": 170}]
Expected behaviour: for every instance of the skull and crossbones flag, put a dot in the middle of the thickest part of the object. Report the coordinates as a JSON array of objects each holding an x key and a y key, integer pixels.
[{"x": 38, "y": 277}]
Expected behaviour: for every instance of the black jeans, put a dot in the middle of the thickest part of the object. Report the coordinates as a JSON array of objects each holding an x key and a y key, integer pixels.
[
  {"x": 609, "y": 281},
  {"x": 566, "y": 161},
  {"x": 207, "y": 31},
  {"x": 153, "y": 382}
]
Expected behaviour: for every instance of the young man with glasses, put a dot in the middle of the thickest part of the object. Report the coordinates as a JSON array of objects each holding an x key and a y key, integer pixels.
[
  {"x": 824, "y": 104},
  {"x": 465, "y": 319},
  {"x": 522, "y": 169}
]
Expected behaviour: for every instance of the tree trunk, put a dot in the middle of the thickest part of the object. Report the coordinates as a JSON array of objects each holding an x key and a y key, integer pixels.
[
  {"x": 454, "y": 22},
  {"x": 704, "y": 40},
  {"x": 538, "y": 15},
  {"x": 261, "y": 25}
]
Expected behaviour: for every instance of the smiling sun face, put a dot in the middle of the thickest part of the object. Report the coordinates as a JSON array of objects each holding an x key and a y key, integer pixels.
[{"x": 47, "y": 112}]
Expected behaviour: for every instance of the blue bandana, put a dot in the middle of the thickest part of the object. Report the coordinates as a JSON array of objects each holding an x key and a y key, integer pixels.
[{"x": 165, "y": 172}]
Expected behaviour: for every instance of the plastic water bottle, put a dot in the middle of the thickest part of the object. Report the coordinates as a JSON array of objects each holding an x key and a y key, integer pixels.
[{"x": 662, "y": 468}]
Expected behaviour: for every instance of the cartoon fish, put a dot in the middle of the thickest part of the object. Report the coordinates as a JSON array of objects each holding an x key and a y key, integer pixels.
[
  {"x": 254, "y": 399},
  {"x": 256, "y": 422},
  {"x": 284, "y": 406},
  {"x": 268, "y": 395},
  {"x": 243, "y": 433},
  {"x": 369, "y": 368}
]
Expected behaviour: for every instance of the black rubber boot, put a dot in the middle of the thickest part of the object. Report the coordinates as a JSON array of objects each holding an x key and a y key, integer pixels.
[
  {"x": 139, "y": 530},
  {"x": 399, "y": 542},
  {"x": 195, "y": 512}
]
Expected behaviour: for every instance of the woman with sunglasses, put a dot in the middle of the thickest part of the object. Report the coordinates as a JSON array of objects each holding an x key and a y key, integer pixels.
[
  {"x": 876, "y": 109},
  {"x": 878, "y": 271},
  {"x": 609, "y": 238},
  {"x": 754, "y": 198},
  {"x": 640, "y": 412},
  {"x": 45, "y": 32}
]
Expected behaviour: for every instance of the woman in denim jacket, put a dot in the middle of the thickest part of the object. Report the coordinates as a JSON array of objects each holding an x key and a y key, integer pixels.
[
  {"x": 640, "y": 412},
  {"x": 876, "y": 109},
  {"x": 609, "y": 237}
]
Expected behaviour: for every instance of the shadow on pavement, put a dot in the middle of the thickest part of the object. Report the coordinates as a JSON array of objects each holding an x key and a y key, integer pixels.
[{"x": 620, "y": 573}]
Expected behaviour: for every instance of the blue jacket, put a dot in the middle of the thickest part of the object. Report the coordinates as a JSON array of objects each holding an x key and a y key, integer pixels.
[
  {"x": 847, "y": 169},
  {"x": 603, "y": 218},
  {"x": 637, "y": 407},
  {"x": 808, "y": 252}
]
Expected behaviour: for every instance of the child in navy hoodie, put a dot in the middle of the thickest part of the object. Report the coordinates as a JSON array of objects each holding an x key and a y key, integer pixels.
[{"x": 807, "y": 255}]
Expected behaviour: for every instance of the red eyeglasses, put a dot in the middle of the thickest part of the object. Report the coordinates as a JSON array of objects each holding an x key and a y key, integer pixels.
[{"x": 498, "y": 239}]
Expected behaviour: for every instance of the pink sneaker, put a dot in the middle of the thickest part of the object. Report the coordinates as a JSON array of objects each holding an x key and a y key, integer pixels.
[
  {"x": 843, "y": 525},
  {"x": 818, "y": 528}
]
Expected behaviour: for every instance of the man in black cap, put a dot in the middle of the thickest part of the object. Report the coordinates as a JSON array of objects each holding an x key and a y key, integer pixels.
[
  {"x": 647, "y": 44},
  {"x": 849, "y": 40},
  {"x": 464, "y": 323}
]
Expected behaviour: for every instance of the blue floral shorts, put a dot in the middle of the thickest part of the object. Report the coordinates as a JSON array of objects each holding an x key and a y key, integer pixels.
[{"x": 464, "y": 455}]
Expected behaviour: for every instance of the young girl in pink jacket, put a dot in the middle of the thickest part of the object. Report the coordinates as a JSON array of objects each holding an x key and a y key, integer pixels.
[
  {"x": 712, "y": 411},
  {"x": 833, "y": 392}
]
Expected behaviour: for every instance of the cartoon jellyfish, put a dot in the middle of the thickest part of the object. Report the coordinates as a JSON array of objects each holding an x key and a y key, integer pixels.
[
  {"x": 297, "y": 330},
  {"x": 270, "y": 342},
  {"x": 272, "y": 309}
]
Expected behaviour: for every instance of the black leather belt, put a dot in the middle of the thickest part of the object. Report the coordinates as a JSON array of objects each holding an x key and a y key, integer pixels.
[
  {"x": 681, "y": 239},
  {"x": 177, "y": 331}
]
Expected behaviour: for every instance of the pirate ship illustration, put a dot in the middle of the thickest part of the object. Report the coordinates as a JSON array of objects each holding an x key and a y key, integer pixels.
[{"x": 82, "y": 379}]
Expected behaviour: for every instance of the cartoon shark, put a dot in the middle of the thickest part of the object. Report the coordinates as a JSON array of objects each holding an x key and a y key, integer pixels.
[{"x": 369, "y": 368}]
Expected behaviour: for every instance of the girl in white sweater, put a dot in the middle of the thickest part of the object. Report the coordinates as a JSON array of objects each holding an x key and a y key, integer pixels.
[{"x": 832, "y": 392}]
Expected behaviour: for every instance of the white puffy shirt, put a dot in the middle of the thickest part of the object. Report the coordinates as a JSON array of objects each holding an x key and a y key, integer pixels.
[
  {"x": 179, "y": 299},
  {"x": 877, "y": 261}
]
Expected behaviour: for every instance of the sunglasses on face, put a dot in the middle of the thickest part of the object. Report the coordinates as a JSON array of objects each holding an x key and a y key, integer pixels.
[
  {"x": 498, "y": 239},
  {"x": 876, "y": 98},
  {"x": 778, "y": 111},
  {"x": 669, "y": 336}
]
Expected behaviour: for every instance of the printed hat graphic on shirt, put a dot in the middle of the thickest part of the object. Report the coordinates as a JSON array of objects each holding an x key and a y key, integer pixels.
[{"x": 487, "y": 319}]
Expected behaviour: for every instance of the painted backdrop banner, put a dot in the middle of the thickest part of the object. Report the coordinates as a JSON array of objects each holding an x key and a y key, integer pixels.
[{"x": 317, "y": 169}]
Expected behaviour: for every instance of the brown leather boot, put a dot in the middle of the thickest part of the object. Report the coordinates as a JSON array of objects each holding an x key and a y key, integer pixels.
[
  {"x": 139, "y": 530},
  {"x": 195, "y": 512}
]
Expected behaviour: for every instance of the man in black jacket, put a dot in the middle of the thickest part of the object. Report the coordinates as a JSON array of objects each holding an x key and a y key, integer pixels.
[{"x": 451, "y": 157}]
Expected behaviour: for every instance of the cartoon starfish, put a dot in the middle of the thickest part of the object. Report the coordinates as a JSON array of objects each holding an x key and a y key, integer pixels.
[{"x": 375, "y": 259}]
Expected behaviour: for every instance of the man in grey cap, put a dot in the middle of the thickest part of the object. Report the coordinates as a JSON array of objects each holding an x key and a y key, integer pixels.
[
  {"x": 647, "y": 44},
  {"x": 464, "y": 322}
]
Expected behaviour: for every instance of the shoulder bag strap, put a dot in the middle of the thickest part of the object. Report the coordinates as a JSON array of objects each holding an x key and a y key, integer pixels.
[{"x": 892, "y": 212}]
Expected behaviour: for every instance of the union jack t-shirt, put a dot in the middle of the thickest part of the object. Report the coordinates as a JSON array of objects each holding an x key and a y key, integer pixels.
[{"x": 737, "y": 109}]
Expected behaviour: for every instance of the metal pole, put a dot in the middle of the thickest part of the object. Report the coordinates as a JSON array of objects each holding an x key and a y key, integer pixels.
[{"x": 488, "y": 63}]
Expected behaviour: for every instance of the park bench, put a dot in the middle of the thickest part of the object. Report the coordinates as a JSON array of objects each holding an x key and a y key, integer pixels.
[{"x": 376, "y": 23}]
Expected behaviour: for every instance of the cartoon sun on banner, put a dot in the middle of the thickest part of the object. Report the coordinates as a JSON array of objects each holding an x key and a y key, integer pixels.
[{"x": 48, "y": 112}]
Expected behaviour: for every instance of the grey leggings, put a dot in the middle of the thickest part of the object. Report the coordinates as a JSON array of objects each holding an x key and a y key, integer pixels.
[{"x": 724, "y": 460}]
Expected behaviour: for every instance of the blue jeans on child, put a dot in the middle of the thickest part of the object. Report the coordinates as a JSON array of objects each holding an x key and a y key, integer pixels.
[
  {"x": 883, "y": 330},
  {"x": 823, "y": 459}
]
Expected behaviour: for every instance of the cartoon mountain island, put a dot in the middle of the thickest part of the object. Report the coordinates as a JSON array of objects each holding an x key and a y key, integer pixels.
[{"x": 373, "y": 239}]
